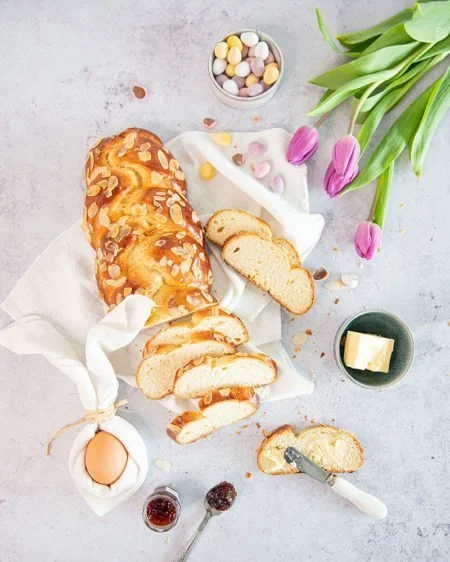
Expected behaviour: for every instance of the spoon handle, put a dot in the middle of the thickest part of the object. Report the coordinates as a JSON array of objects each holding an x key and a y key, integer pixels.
[{"x": 183, "y": 555}]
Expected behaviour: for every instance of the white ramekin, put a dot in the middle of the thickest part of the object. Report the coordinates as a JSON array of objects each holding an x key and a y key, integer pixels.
[{"x": 257, "y": 101}]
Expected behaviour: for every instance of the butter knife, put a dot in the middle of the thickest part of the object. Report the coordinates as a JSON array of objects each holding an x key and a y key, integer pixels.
[{"x": 368, "y": 504}]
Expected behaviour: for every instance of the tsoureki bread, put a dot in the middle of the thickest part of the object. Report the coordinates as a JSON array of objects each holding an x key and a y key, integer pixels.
[
  {"x": 147, "y": 237},
  {"x": 335, "y": 450}
]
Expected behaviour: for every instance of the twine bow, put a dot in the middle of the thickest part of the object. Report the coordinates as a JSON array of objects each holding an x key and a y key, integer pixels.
[{"x": 90, "y": 416}]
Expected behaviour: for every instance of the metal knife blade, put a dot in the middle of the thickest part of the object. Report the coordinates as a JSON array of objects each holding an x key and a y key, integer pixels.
[{"x": 306, "y": 465}]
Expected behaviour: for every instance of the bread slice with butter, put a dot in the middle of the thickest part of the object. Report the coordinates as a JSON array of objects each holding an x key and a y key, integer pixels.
[{"x": 333, "y": 449}]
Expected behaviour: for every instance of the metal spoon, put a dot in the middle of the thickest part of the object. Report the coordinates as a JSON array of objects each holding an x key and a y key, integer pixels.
[{"x": 210, "y": 512}]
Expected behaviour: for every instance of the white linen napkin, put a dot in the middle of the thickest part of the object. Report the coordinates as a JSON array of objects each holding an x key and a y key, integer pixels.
[
  {"x": 60, "y": 285},
  {"x": 97, "y": 385}
]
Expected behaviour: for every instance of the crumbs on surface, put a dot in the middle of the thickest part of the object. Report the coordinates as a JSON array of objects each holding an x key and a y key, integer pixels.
[
  {"x": 256, "y": 118},
  {"x": 337, "y": 301},
  {"x": 139, "y": 92},
  {"x": 322, "y": 354},
  {"x": 336, "y": 249},
  {"x": 258, "y": 425},
  {"x": 248, "y": 474}
]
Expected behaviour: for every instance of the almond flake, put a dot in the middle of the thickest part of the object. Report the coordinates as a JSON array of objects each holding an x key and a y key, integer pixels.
[
  {"x": 179, "y": 175},
  {"x": 176, "y": 215},
  {"x": 300, "y": 338},
  {"x": 119, "y": 298},
  {"x": 113, "y": 182},
  {"x": 194, "y": 217},
  {"x": 93, "y": 210},
  {"x": 127, "y": 291},
  {"x": 174, "y": 428},
  {"x": 144, "y": 147},
  {"x": 103, "y": 217},
  {"x": 175, "y": 270},
  {"x": 224, "y": 391},
  {"x": 335, "y": 285},
  {"x": 163, "y": 465},
  {"x": 207, "y": 399},
  {"x": 114, "y": 271},
  {"x": 123, "y": 233},
  {"x": 129, "y": 140},
  {"x": 159, "y": 243},
  {"x": 138, "y": 209},
  {"x": 349, "y": 280},
  {"x": 207, "y": 296},
  {"x": 122, "y": 152},
  {"x": 183, "y": 310},
  {"x": 163, "y": 261},
  {"x": 93, "y": 190},
  {"x": 185, "y": 266},
  {"x": 180, "y": 235},
  {"x": 193, "y": 301},
  {"x": 158, "y": 198},
  {"x": 178, "y": 251},
  {"x": 163, "y": 160},
  {"x": 145, "y": 156},
  {"x": 116, "y": 282},
  {"x": 160, "y": 218}
]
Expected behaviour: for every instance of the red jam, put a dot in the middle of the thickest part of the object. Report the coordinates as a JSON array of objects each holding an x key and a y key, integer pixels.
[
  {"x": 161, "y": 512},
  {"x": 222, "y": 496}
]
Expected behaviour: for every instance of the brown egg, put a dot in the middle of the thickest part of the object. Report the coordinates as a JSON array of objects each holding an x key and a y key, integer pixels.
[{"x": 105, "y": 458}]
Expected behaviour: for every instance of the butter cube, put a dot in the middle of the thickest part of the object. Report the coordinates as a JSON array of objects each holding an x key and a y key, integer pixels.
[{"x": 366, "y": 351}]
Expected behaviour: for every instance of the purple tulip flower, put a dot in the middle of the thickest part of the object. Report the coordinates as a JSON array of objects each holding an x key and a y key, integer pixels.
[
  {"x": 367, "y": 240},
  {"x": 334, "y": 183},
  {"x": 346, "y": 153},
  {"x": 303, "y": 145}
]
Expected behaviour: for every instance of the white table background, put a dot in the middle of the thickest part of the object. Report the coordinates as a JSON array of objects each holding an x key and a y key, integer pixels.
[{"x": 66, "y": 73}]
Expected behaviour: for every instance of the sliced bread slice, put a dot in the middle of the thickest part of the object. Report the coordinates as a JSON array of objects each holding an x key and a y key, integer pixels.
[
  {"x": 266, "y": 265},
  {"x": 207, "y": 374},
  {"x": 229, "y": 222},
  {"x": 217, "y": 410},
  {"x": 155, "y": 374},
  {"x": 335, "y": 450},
  {"x": 211, "y": 320},
  {"x": 291, "y": 252}
]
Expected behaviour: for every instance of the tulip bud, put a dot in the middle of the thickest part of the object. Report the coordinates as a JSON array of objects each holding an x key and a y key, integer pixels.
[
  {"x": 334, "y": 183},
  {"x": 367, "y": 239},
  {"x": 346, "y": 154},
  {"x": 303, "y": 145}
]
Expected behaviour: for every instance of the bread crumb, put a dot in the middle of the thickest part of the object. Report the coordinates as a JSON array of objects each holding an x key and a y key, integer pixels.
[
  {"x": 297, "y": 349},
  {"x": 163, "y": 465},
  {"x": 402, "y": 205},
  {"x": 300, "y": 338},
  {"x": 337, "y": 301},
  {"x": 312, "y": 420},
  {"x": 258, "y": 425},
  {"x": 238, "y": 432},
  {"x": 322, "y": 354},
  {"x": 309, "y": 332},
  {"x": 265, "y": 433},
  {"x": 336, "y": 249},
  {"x": 248, "y": 474},
  {"x": 256, "y": 118},
  {"x": 244, "y": 426}
]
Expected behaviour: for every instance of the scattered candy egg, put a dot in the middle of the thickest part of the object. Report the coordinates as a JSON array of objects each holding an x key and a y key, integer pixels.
[
  {"x": 234, "y": 56},
  {"x": 249, "y": 38},
  {"x": 231, "y": 87},
  {"x": 230, "y": 70},
  {"x": 238, "y": 159},
  {"x": 209, "y": 123},
  {"x": 242, "y": 69},
  {"x": 277, "y": 184},
  {"x": 207, "y": 171},
  {"x": 219, "y": 66},
  {"x": 222, "y": 138},
  {"x": 257, "y": 66},
  {"x": 243, "y": 93},
  {"x": 255, "y": 90},
  {"x": 221, "y": 50},
  {"x": 234, "y": 41},
  {"x": 251, "y": 79},
  {"x": 221, "y": 79},
  {"x": 256, "y": 148},
  {"x": 240, "y": 81},
  {"x": 271, "y": 75},
  {"x": 261, "y": 169},
  {"x": 262, "y": 50},
  {"x": 105, "y": 458}
]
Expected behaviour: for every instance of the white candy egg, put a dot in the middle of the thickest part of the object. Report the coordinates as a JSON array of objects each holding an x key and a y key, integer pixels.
[
  {"x": 231, "y": 87},
  {"x": 262, "y": 50},
  {"x": 219, "y": 66},
  {"x": 249, "y": 38},
  {"x": 243, "y": 69}
]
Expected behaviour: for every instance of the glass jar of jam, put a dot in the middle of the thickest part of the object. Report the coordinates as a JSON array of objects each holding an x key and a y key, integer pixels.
[{"x": 161, "y": 509}]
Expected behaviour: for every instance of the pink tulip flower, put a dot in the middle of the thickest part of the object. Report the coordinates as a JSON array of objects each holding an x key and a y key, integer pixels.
[
  {"x": 367, "y": 240},
  {"x": 303, "y": 145}
]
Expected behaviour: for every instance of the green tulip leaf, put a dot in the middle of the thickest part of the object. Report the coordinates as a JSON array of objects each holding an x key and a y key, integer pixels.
[
  {"x": 367, "y": 64},
  {"x": 382, "y": 195},
  {"x": 430, "y": 22},
  {"x": 396, "y": 35},
  {"x": 393, "y": 144},
  {"x": 351, "y": 39},
  {"x": 437, "y": 106},
  {"x": 326, "y": 34}
]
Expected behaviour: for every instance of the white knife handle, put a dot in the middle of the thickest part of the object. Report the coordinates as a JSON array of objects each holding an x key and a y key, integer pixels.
[{"x": 368, "y": 504}]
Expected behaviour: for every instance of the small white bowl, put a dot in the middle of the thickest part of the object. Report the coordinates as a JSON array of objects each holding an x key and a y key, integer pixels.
[{"x": 257, "y": 101}]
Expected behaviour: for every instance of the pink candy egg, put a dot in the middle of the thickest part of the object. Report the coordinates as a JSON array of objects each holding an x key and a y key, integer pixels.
[
  {"x": 256, "y": 148},
  {"x": 261, "y": 169},
  {"x": 245, "y": 50},
  {"x": 240, "y": 81},
  {"x": 243, "y": 93},
  {"x": 277, "y": 184},
  {"x": 251, "y": 51},
  {"x": 257, "y": 66},
  {"x": 221, "y": 79},
  {"x": 270, "y": 58},
  {"x": 255, "y": 89}
]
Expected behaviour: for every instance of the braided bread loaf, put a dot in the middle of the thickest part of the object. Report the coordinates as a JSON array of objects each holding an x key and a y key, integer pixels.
[{"x": 148, "y": 239}]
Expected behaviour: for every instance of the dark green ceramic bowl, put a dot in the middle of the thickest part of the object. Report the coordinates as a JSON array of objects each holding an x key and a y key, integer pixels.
[{"x": 378, "y": 323}]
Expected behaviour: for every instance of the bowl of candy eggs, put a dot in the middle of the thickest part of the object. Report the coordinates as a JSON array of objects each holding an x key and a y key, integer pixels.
[{"x": 246, "y": 68}]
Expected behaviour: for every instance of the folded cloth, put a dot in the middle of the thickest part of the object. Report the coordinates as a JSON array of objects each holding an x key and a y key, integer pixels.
[
  {"x": 97, "y": 385},
  {"x": 60, "y": 288}
]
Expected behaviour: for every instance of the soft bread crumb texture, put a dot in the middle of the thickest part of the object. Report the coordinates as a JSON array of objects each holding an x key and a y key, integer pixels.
[{"x": 228, "y": 222}]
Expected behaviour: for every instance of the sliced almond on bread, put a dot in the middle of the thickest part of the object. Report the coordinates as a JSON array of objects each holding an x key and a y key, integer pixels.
[
  {"x": 217, "y": 410},
  {"x": 207, "y": 374},
  {"x": 335, "y": 450},
  {"x": 266, "y": 265},
  {"x": 229, "y": 222},
  {"x": 155, "y": 375},
  {"x": 210, "y": 320}
]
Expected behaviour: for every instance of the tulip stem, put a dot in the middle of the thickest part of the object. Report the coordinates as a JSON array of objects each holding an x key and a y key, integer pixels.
[
  {"x": 381, "y": 198},
  {"x": 321, "y": 120}
]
